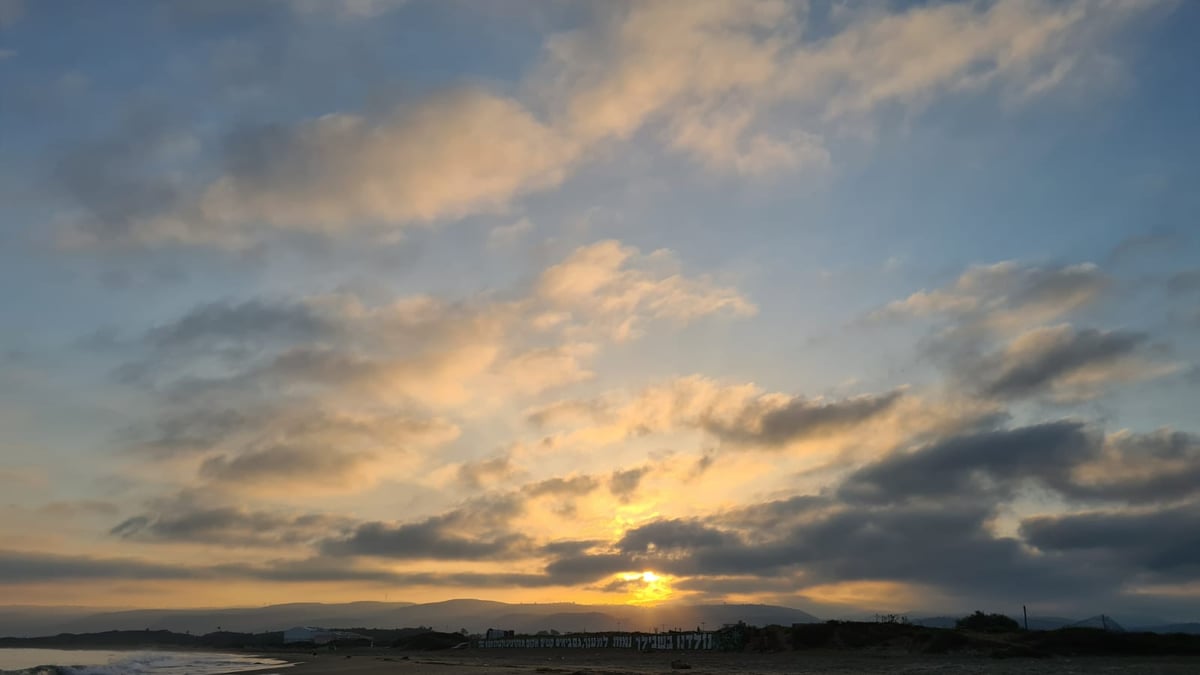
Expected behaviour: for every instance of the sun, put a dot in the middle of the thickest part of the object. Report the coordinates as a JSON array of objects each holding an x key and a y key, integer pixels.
[{"x": 647, "y": 587}]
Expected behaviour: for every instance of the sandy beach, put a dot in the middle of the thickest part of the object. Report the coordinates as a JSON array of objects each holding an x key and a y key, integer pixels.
[{"x": 611, "y": 662}]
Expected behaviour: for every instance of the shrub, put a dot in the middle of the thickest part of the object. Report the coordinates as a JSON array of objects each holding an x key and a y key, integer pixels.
[{"x": 988, "y": 623}]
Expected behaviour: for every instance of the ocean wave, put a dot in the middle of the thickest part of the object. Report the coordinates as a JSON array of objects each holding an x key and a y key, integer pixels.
[{"x": 158, "y": 663}]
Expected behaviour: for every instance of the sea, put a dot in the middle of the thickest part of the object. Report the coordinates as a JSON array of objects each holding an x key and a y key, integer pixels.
[{"x": 106, "y": 662}]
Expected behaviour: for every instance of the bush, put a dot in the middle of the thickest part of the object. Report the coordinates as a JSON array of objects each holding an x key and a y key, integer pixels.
[{"x": 988, "y": 623}]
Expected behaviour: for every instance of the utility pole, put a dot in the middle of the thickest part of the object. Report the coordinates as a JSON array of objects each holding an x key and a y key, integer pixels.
[{"x": 1026, "y": 613}]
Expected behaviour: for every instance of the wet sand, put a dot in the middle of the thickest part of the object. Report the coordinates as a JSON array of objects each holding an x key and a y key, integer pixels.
[{"x": 615, "y": 662}]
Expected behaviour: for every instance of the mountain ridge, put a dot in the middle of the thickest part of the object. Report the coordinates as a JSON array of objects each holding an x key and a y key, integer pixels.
[
  {"x": 448, "y": 615},
  {"x": 453, "y": 615}
]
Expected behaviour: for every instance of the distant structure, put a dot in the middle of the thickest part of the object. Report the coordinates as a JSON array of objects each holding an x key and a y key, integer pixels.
[
  {"x": 498, "y": 634},
  {"x": 1102, "y": 622},
  {"x": 322, "y": 636}
]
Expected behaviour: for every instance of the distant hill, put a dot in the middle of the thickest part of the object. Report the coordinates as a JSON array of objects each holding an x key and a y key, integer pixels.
[
  {"x": 449, "y": 616},
  {"x": 1101, "y": 622},
  {"x": 453, "y": 615},
  {"x": 1185, "y": 628}
]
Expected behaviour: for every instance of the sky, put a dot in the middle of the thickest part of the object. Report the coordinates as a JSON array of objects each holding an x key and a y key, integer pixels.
[{"x": 845, "y": 306}]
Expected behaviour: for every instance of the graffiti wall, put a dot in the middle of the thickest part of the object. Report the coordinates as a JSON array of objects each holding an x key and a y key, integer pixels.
[{"x": 638, "y": 641}]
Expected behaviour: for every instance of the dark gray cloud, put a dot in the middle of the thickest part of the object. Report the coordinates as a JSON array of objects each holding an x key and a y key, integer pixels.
[
  {"x": 284, "y": 464},
  {"x": 21, "y": 567},
  {"x": 985, "y": 297},
  {"x": 1163, "y": 543},
  {"x": 948, "y": 548},
  {"x": 774, "y": 514},
  {"x": 1162, "y": 466},
  {"x": 623, "y": 484},
  {"x": 309, "y": 571},
  {"x": 569, "y": 547},
  {"x": 321, "y": 569},
  {"x": 1058, "y": 288},
  {"x": 804, "y": 418},
  {"x": 1186, "y": 281},
  {"x": 475, "y": 474},
  {"x": 980, "y": 463},
  {"x": 231, "y": 526},
  {"x": 575, "y": 486},
  {"x": 1066, "y": 456},
  {"x": 667, "y": 535},
  {"x": 925, "y": 516},
  {"x": 251, "y": 323},
  {"x": 1142, "y": 244},
  {"x": 120, "y": 179},
  {"x": 1033, "y": 366},
  {"x": 477, "y": 530},
  {"x": 576, "y": 569},
  {"x": 192, "y": 430},
  {"x": 428, "y": 540}
]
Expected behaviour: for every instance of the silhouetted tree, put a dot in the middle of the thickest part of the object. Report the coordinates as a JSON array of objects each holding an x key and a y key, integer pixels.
[{"x": 989, "y": 623}]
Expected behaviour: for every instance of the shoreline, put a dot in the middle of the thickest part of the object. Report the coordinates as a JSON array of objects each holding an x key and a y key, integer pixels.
[{"x": 384, "y": 661}]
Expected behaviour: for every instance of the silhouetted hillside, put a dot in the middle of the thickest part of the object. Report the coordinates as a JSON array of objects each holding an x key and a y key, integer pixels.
[{"x": 448, "y": 616}]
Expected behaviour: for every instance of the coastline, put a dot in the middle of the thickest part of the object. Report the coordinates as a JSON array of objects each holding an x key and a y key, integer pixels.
[{"x": 385, "y": 661}]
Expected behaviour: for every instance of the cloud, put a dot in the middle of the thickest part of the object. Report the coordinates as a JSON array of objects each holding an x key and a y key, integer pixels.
[
  {"x": 477, "y": 530},
  {"x": 930, "y": 545},
  {"x": 1147, "y": 542},
  {"x": 740, "y": 415},
  {"x": 191, "y": 522},
  {"x": 629, "y": 70},
  {"x": 26, "y": 567},
  {"x": 1184, "y": 282},
  {"x": 456, "y": 153},
  {"x": 1138, "y": 245},
  {"x": 623, "y": 484},
  {"x": 616, "y": 285},
  {"x": 719, "y": 141},
  {"x": 333, "y": 394},
  {"x": 741, "y": 87},
  {"x": 1161, "y": 466},
  {"x": 668, "y": 535},
  {"x": 570, "y": 570},
  {"x": 125, "y": 179},
  {"x": 284, "y": 467},
  {"x": 994, "y": 339},
  {"x": 1067, "y": 457},
  {"x": 279, "y": 10},
  {"x": 1066, "y": 363},
  {"x": 800, "y": 418},
  {"x": 974, "y": 464},
  {"x": 507, "y": 235},
  {"x": 242, "y": 324},
  {"x": 480, "y": 472},
  {"x": 573, "y": 487},
  {"x": 278, "y": 447},
  {"x": 926, "y": 520},
  {"x": 1007, "y": 296}
]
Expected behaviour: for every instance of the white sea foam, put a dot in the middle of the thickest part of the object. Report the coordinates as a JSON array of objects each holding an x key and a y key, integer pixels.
[{"x": 98, "y": 662}]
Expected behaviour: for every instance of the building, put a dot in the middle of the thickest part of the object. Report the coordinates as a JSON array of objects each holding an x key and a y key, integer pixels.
[{"x": 322, "y": 636}]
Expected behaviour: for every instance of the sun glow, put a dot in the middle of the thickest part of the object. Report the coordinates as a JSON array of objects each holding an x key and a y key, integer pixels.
[{"x": 646, "y": 587}]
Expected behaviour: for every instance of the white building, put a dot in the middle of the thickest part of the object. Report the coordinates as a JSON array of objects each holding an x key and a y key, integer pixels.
[{"x": 318, "y": 636}]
